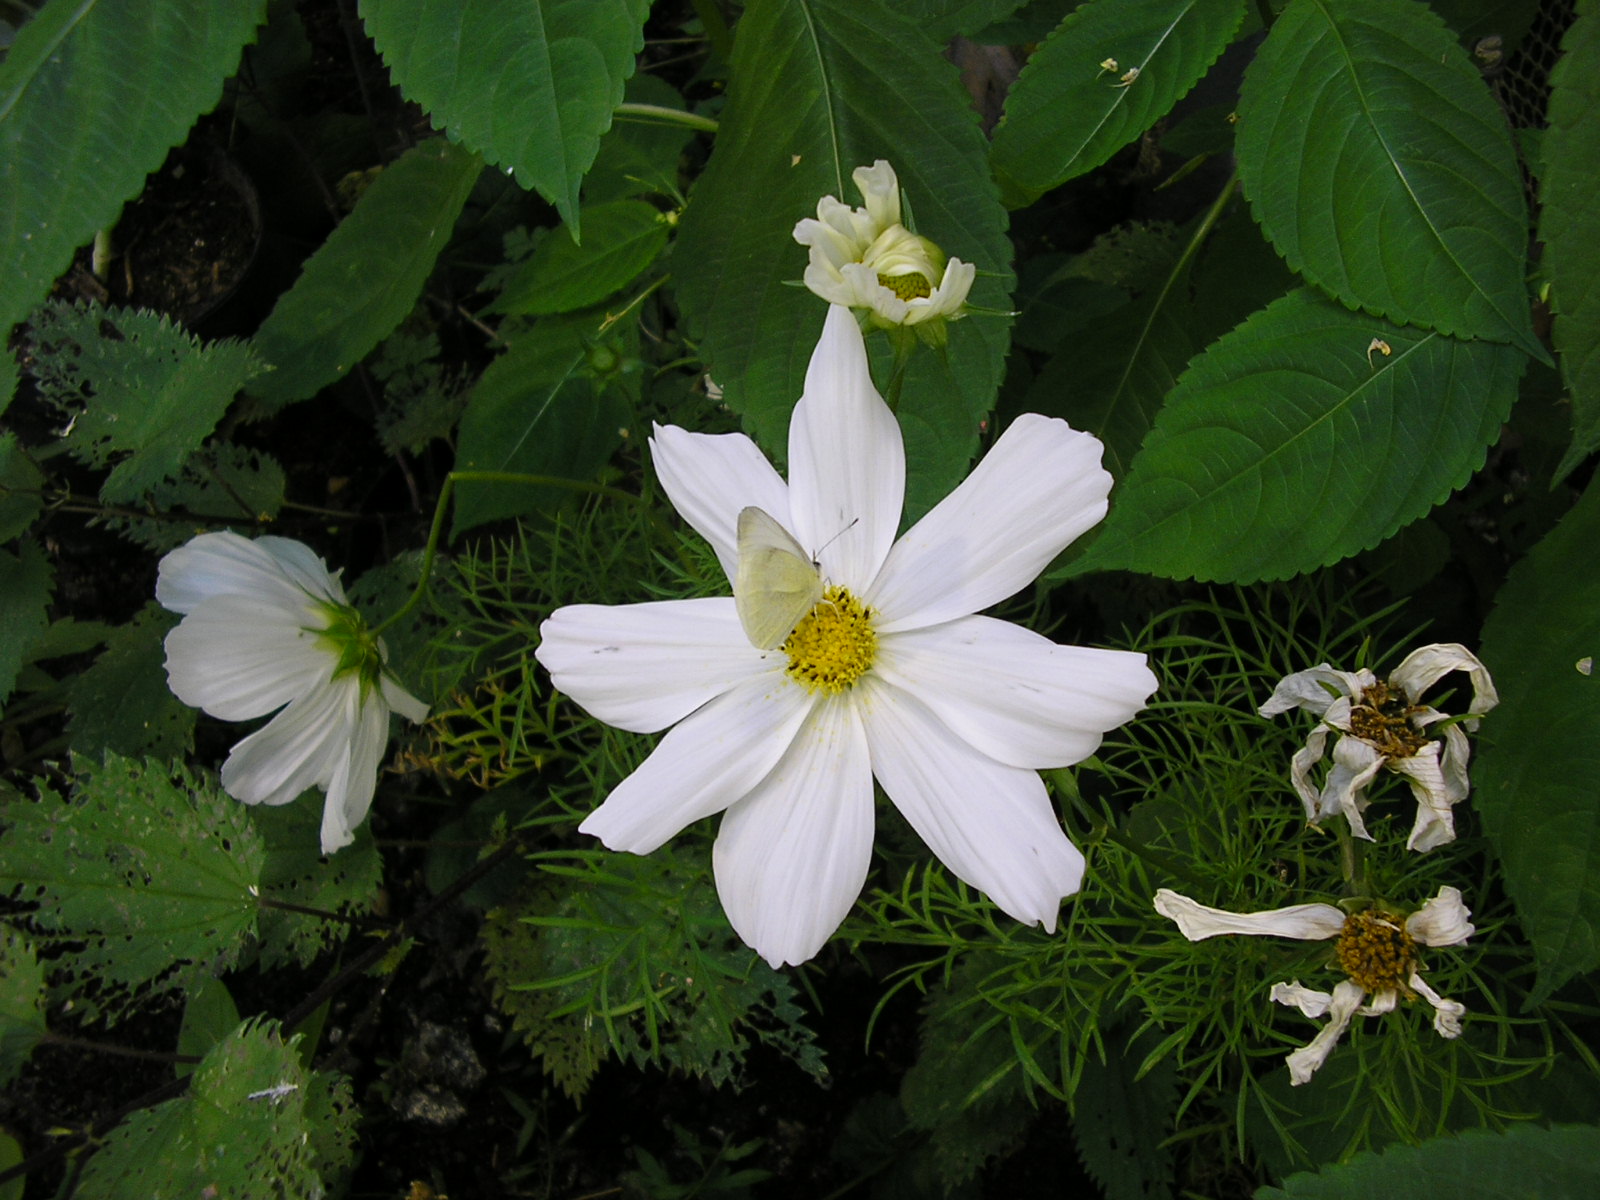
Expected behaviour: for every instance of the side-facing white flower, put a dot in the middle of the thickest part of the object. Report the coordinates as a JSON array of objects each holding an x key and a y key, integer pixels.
[
  {"x": 1376, "y": 949},
  {"x": 266, "y": 627},
  {"x": 1382, "y": 726},
  {"x": 865, "y": 258},
  {"x": 890, "y": 675}
]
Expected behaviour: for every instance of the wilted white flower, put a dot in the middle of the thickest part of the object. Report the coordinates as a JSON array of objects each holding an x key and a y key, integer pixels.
[
  {"x": 266, "y": 627},
  {"x": 1376, "y": 949},
  {"x": 865, "y": 258},
  {"x": 1382, "y": 726},
  {"x": 883, "y": 672}
]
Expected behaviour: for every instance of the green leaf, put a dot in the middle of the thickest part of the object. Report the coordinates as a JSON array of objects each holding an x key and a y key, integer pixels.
[
  {"x": 295, "y": 872},
  {"x": 537, "y": 410},
  {"x": 1122, "y": 1136},
  {"x": 22, "y": 1023},
  {"x": 153, "y": 872},
  {"x": 365, "y": 278},
  {"x": 821, "y": 87},
  {"x": 1526, "y": 1162},
  {"x": 255, "y": 1124},
  {"x": 1569, "y": 226},
  {"x": 623, "y": 238},
  {"x": 1289, "y": 444},
  {"x": 20, "y": 482},
  {"x": 209, "y": 1017},
  {"x": 1066, "y": 114},
  {"x": 221, "y": 484},
  {"x": 122, "y": 702},
  {"x": 1541, "y": 747},
  {"x": 143, "y": 393},
  {"x": 530, "y": 87},
  {"x": 639, "y": 155},
  {"x": 25, "y": 581},
  {"x": 1383, "y": 171},
  {"x": 92, "y": 95},
  {"x": 945, "y": 19}
]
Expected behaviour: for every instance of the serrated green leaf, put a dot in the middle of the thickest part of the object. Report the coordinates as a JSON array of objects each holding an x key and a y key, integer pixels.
[
  {"x": 821, "y": 87},
  {"x": 20, "y": 482},
  {"x": 1526, "y": 1162},
  {"x": 25, "y": 582},
  {"x": 296, "y": 872},
  {"x": 1121, "y": 1135},
  {"x": 142, "y": 392},
  {"x": 639, "y": 153},
  {"x": 92, "y": 95},
  {"x": 365, "y": 278},
  {"x": 1569, "y": 225},
  {"x": 1292, "y": 442},
  {"x": 537, "y": 410},
  {"x": 222, "y": 483},
  {"x": 209, "y": 1017},
  {"x": 147, "y": 876},
  {"x": 1541, "y": 747},
  {"x": 621, "y": 239},
  {"x": 945, "y": 19},
  {"x": 21, "y": 1002},
  {"x": 1383, "y": 171},
  {"x": 247, "y": 1129},
  {"x": 122, "y": 703},
  {"x": 1066, "y": 114},
  {"x": 531, "y": 88}
]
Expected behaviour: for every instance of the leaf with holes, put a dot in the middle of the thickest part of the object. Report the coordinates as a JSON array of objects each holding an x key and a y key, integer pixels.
[
  {"x": 22, "y": 1002},
  {"x": 1067, "y": 113},
  {"x": 529, "y": 86},
  {"x": 1295, "y": 441},
  {"x": 1383, "y": 171}
]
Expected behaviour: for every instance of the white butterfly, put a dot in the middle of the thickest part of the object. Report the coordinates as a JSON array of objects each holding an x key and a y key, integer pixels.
[{"x": 777, "y": 583}]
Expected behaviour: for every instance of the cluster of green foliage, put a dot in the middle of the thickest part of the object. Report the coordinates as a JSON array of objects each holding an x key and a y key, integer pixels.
[{"x": 1312, "y": 360}]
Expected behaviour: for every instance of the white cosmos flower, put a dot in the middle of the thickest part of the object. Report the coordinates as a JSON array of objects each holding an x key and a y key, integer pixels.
[
  {"x": 1382, "y": 726},
  {"x": 865, "y": 258},
  {"x": 890, "y": 675},
  {"x": 266, "y": 627},
  {"x": 1376, "y": 949}
]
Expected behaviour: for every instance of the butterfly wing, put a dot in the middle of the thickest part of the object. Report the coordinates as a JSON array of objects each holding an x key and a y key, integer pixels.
[{"x": 776, "y": 583}]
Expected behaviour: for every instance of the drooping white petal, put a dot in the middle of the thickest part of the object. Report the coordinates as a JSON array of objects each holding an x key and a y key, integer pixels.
[
  {"x": 1314, "y": 690},
  {"x": 1308, "y": 1000},
  {"x": 299, "y": 748},
  {"x": 1442, "y": 921},
  {"x": 1355, "y": 765},
  {"x": 710, "y": 759},
  {"x": 1447, "y": 1014},
  {"x": 401, "y": 701},
  {"x": 1300, "y": 766},
  {"x": 355, "y": 775},
  {"x": 239, "y": 656},
  {"x": 641, "y": 667},
  {"x": 991, "y": 824},
  {"x": 1306, "y": 922},
  {"x": 1015, "y": 695},
  {"x": 791, "y": 856},
  {"x": 1426, "y": 665},
  {"x": 222, "y": 564},
  {"x": 847, "y": 464},
  {"x": 1434, "y": 825},
  {"x": 710, "y": 477},
  {"x": 1038, "y": 488},
  {"x": 1303, "y": 1063}
]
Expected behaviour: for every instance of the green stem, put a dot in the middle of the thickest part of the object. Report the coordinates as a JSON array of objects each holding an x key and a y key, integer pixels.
[
  {"x": 661, "y": 115},
  {"x": 1101, "y": 828},
  {"x": 903, "y": 341},
  {"x": 1352, "y": 861},
  {"x": 76, "y": 1043}
]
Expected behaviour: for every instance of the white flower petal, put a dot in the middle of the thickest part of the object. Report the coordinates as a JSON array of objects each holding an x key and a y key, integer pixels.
[
  {"x": 222, "y": 564},
  {"x": 239, "y": 657},
  {"x": 1308, "y": 1000},
  {"x": 355, "y": 777},
  {"x": 299, "y": 748},
  {"x": 791, "y": 856},
  {"x": 1013, "y": 694},
  {"x": 1355, "y": 765},
  {"x": 1425, "y": 666},
  {"x": 710, "y": 477},
  {"x": 847, "y": 466},
  {"x": 401, "y": 701},
  {"x": 642, "y": 667},
  {"x": 880, "y": 188},
  {"x": 991, "y": 824},
  {"x": 1307, "y": 922},
  {"x": 1434, "y": 825},
  {"x": 1314, "y": 690},
  {"x": 1038, "y": 488},
  {"x": 1447, "y": 1014},
  {"x": 1442, "y": 921},
  {"x": 1303, "y": 1063},
  {"x": 1300, "y": 766},
  {"x": 713, "y": 757}
]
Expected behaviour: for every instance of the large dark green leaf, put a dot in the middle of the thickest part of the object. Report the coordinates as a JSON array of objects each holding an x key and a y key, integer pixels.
[
  {"x": 530, "y": 86},
  {"x": 1383, "y": 171},
  {"x": 1526, "y": 1162},
  {"x": 1290, "y": 444},
  {"x": 92, "y": 95},
  {"x": 1534, "y": 781},
  {"x": 22, "y": 1003},
  {"x": 25, "y": 580},
  {"x": 367, "y": 275},
  {"x": 1066, "y": 114},
  {"x": 821, "y": 87},
  {"x": 624, "y": 237},
  {"x": 1569, "y": 225}
]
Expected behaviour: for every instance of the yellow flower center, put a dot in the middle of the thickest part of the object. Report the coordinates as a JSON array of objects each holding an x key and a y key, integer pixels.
[
  {"x": 910, "y": 286},
  {"x": 834, "y": 644},
  {"x": 1376, "y": 951},
  {"x": 1383, "y": 718}
]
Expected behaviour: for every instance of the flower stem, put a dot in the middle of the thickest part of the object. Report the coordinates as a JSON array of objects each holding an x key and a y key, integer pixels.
[{"x": 661, "y": 115}]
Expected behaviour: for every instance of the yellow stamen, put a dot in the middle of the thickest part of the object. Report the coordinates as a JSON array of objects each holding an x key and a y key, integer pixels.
[
  {"x": 1382, "y": 717},
  {"x": 834, "y": 644},
  {"x": 1376, "y": 951},
  {"x": 910, "y": 286}
]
